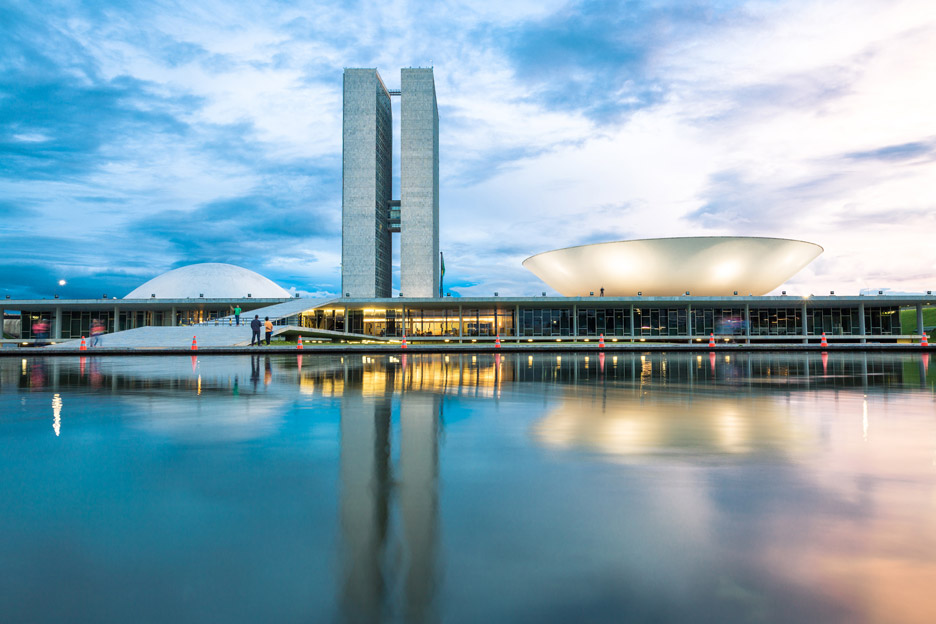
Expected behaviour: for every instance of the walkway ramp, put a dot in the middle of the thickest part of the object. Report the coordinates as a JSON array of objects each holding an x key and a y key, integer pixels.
[
  {"x": 163, "y": 337},
  {"x": 276, "y": 311}
]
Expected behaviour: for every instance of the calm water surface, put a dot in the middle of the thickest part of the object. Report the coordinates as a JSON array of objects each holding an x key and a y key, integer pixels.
[{"x": 509, "y": 488}]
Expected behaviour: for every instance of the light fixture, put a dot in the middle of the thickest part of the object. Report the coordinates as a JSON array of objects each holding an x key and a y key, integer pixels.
[
  {"x": 831, "y": 292},
  {"x": 783, "y": 292},
  {"x": 639, "y": 293},
  {"x": 495, "y": 293},
  {"x": 736, "y": 292},
  {"x": 591, "y": 293}
]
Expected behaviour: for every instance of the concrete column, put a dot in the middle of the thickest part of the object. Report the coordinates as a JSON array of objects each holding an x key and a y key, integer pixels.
[
  {"x": 516, "y": 321},
  {"x": 747, "y": 324},
  {"x": 172, "y": 321},
  {"x": 117, "y": 319},
  {"x": 633, "y": 331},
  {"x": 689, "y": 325},
  {"x": 575, "y": 332},
  {"x": 805, "y": 325},
  {"x": 57, "y": 334},
  {"x": 347, "y": 321},
  {"x": 2, "y": 322},
  {"x": 919, "y": 308},
  {"x": 460, "y": 333},
  {"x": 861, "y": 322}
]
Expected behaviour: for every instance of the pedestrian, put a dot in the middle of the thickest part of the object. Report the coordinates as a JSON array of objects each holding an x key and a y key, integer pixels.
[
  {"x": 97, "y": 330},
  {"x": 268, "y": 326},
  {"x": 237, "y": 311},
  {"x": 255, "y": 328},
  {"x": 40, "y": 331}
]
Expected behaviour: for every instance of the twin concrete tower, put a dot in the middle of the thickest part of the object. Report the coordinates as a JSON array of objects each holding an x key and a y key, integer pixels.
[{"x": 369, "y": 214}]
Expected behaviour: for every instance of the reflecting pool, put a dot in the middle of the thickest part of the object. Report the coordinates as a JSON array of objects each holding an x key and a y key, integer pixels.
[{"x": 469, "y": 488}]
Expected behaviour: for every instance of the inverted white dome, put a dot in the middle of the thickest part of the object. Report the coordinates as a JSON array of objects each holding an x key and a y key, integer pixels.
[
  {"x": 213, "y": 280},
  {"x": 662, "y": 267}
]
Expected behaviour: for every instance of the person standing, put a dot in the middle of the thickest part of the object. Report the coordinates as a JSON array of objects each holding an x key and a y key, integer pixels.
[
  {"x": 237, "y": 311},
  {"x": 268, "y": 326},
  {"x": 255, "y": 328}
]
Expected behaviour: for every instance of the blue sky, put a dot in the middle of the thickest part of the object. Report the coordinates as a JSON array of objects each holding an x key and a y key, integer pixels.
[{"x": 140, "y": 137}]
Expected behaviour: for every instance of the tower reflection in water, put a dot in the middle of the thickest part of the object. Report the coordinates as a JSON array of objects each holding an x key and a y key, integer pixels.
[{"x": 376, "y": 551}]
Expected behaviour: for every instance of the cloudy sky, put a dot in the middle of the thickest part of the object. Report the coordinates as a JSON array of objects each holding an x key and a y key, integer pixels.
[{"x": 136, "y": 139}]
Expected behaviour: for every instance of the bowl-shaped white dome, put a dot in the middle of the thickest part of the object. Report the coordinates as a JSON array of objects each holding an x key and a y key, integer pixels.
[
  {"x": 707, "y": 266},
  {"x": 213, "y": 280}
]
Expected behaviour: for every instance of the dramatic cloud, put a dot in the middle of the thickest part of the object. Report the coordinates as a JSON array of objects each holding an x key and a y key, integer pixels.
[{"x": 137, "y": 138}]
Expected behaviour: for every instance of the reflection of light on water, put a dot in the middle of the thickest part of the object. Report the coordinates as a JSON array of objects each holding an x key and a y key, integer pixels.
[
  {"x": 646, "y": 370},
  {"x": 57, "y": 414},
  {"x": 864, "y": 418},
  {"x": 306, "y": 385},
  {"x": 199, "y": 385},
  {"x": 621, "y": 425},
  {"x": 24, "y": 367},
  {"x": 732, "y": 432}
]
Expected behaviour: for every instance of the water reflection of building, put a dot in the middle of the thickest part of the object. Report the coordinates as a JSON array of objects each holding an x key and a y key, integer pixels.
[
  {"x": 625, "y": 425},
  {"x": 370, "y": 489}
]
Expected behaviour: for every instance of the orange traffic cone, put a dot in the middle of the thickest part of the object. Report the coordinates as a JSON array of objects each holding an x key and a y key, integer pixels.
[
  {"x": 497, "y": 342},
  {"x": 83, "y": 346},
  {"x": 824, "y": 343},
  {"x": 601, "y": 341},
  {"x": 404, "y": 342},
  {"x": 711, "y": 340},
  {"x": 924, "y": 342},
  {"x": 194, "y": 344},
  {"x": 299, "y": 346}
]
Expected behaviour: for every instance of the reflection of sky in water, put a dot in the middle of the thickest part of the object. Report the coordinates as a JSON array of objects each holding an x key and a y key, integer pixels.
[{"x": 465, "y": 488}]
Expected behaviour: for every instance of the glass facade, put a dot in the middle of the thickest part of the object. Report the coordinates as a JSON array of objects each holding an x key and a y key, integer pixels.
[
  {"x": 607, "y": 321},
  {"x": 426, "y": 323},
  {"x": 720, "y": 321},
  {"x": 776, "y": 322},
  {"x": 882, "y": 321},
  {"x": 545, "y": 322},
  {"x": 624, "y": 321},
  {"x": 487, "y": 322}
]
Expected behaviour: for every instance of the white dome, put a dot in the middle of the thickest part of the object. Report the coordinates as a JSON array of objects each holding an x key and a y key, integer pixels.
[
  {"x": 664, "y": 267},
  {"x": 213, "y": 280}
]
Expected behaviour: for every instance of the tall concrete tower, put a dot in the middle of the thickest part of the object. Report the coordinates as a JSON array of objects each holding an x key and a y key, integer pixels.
[
  {"x": 369, "y": 213},
  {"x": 367, "y": 137},
  {"x": 419, "y": 184}
]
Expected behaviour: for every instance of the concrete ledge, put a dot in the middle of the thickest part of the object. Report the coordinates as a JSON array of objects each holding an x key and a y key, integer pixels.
[{"x": 331, "y": 349}]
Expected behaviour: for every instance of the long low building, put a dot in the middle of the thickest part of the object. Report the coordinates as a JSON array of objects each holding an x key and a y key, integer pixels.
[
  {"x": 72, "y": 318},
  {"x": 754, "y": 319},
  {"x": 774, "y": 319}
]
